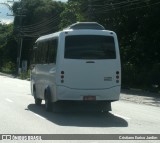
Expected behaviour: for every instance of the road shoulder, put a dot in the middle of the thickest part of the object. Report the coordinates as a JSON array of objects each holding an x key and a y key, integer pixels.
[{"x": 141, "y": 97}]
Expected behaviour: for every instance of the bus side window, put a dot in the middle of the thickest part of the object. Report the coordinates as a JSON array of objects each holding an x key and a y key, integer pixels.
[
  {"x": 55, "y": 45},
  {"x": 47, "y": 52},
  {"x": 52, "y": 51},
  {"x": 33, "y": 55},
  {"x": 41, "y": 53},
  {"x": 38, "y": 53},
  {"x": 44, "y": 52}
]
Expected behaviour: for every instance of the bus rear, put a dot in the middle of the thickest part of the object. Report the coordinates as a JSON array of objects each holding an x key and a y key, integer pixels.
[{"x": 89, "y": 66}]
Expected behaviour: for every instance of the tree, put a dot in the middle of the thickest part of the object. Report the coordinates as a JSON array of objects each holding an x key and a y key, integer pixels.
[
  {"x": 34, "y": 18},
  {"x": 8, "y": 51},
  {"x": 71, "y": 14}
]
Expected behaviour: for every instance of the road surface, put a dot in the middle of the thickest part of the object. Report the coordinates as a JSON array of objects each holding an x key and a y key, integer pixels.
[{"x": 19, "y": 115}]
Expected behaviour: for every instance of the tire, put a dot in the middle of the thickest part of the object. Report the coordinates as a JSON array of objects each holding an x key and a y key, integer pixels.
[
  {"x": 48, "y": 103},
  {"x": 37, "y": 100}
]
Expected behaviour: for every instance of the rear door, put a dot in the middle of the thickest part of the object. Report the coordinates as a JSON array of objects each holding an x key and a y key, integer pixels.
[{"x": 90, "y": 62}]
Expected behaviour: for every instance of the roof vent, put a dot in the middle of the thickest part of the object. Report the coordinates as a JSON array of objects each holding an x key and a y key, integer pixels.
[{"x": 86, "y": 25}]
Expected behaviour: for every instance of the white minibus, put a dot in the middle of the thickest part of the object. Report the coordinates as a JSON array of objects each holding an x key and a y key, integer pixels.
[{"x": 77, "y": 66}]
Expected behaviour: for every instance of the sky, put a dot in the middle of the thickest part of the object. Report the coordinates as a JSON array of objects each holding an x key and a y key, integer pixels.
[
  {"x": 3, "y": 13},
  {"x": 4, "y": 19}
]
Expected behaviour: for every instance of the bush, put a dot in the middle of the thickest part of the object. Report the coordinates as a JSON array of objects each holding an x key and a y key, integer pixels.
[
  {"x": 25, "y": 75},
  {"x": 141, "y": 77},
  {"x": 154, "y": 77},
  {"x": 9, "y": 67},
  {"x": 128, "y": 75}
]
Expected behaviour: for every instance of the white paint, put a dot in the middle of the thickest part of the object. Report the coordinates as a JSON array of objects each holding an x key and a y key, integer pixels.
[
  {"x": 8, "y": 100},
  {"x": 39, "y": 116},
  {"x": 126, "y": 118}
]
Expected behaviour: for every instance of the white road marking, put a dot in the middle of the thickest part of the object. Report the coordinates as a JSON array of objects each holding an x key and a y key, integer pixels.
[
  {"x": 8, "y": 100},
  {"x": 19, "y": 85},
  {"x": 39, "y": 116},
  {"x": 127, "y": 118}
]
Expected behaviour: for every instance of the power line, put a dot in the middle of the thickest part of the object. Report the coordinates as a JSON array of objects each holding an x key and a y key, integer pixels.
[
  {"x": 144, "y": 6},
  {"x": 105, "y": 9},
  {"x": 40, "y": 24},
  {"x": 42, "y": 28}
]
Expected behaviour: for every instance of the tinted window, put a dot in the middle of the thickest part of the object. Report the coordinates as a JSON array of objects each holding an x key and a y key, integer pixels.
[
  {"x": 46, "y": 51},
  {"x": 52, "y": 51},
  {"x": 33, "y": 55},
  {"x": 89, "y": 47}
]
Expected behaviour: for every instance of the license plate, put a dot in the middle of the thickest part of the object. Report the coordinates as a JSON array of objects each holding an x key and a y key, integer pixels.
[{"x": 89, "y": 98}]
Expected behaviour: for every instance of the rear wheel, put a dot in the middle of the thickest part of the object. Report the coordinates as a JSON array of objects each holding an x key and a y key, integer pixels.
[
  {"x": 37, "y": 100},
  {"x": 48, "y": 103}
]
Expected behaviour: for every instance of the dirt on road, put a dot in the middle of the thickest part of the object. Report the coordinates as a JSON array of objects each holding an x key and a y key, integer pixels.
[{"x": 141, "y": 97}]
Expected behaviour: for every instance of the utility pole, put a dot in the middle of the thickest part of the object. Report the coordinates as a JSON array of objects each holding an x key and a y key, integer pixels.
[
  {"x": 89, "y": 10},
  {"x": 21, "y": 38},
  {"x": 0, "y": 21},
  {"x": 20, "y": 15}
]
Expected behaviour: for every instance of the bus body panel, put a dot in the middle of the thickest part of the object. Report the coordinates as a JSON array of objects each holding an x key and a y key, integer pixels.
[
  {"x": 82, "y": 77},
  {"x": 88, "y": 73},
  {"x": 43, "y": 76},
  {"x": 110, "y": 94}
]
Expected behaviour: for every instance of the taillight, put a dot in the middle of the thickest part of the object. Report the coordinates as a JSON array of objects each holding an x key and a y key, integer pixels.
[
  {"x": 117, "y": 76},
  {"x": 62, "y": 76},
  {"x": 117, "y": 72}
]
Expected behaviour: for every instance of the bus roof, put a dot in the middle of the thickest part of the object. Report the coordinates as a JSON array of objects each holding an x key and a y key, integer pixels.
[
  {"x": 86, "y": 25},
  {"x": 49, "y": 36},
  {"x": 76, "y": 27}
]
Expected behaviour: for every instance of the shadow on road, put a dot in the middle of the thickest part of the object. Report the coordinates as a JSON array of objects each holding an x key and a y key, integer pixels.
[{"x": 80, "y": 119}]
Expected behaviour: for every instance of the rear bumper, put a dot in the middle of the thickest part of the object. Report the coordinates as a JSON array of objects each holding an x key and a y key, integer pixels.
[
  {"x": 82, "y": 106},
  {"x": 110, "y": 94}
]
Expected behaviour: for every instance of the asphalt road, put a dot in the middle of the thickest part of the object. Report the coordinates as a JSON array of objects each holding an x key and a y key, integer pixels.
[{"x": 19, "y": 115}]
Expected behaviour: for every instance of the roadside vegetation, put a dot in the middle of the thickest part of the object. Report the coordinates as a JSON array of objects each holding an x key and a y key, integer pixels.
[{"x": 136, "y": 23}]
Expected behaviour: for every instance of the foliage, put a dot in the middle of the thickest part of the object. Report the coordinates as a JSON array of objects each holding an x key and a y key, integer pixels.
[
  {"x": 138, "y": 30},
  {"x": 9, "y": 67},
  {"x": 71, "y": 14},
  {"x": 35, "y": 18},
  {"x": 135, "y": 22},
  {"x": 8, "y": 49},
  {"x": 25, "y": 75}
]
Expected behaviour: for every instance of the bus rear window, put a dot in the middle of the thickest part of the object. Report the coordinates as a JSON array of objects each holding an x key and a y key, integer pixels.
[{"x": 89, "y": 47}]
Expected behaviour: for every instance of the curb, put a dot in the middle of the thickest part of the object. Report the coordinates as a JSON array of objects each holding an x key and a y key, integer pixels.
[{"x": 8, "y": 75}]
